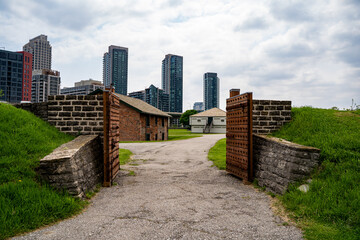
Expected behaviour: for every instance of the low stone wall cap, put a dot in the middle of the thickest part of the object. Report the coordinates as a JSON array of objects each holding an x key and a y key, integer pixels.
[{"x": 288, "y": 143}]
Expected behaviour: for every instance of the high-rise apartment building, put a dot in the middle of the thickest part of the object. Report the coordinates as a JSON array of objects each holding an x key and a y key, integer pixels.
[
  {"x": 199, "y": 106},
  {"x": 84, "y": 87},
  {"x": 153, "y": 96},
  {"x": 211, "y": 90},
  {"x": 172, "y": 81},
  {"x": 115, "y": 68},
  {"x": 15, "y": 76},
  {"x": 44, "y": 83},
  {"x": 40, "y": 48}
]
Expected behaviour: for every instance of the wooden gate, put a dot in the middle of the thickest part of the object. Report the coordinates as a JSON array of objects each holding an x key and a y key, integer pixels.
[
  {"x": 239, "y": 135},
  {"x": 111, "y": 136}
]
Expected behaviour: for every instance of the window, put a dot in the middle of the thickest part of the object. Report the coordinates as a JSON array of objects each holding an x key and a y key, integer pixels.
[
  {"x": 148, "y": 120},
  {"x": 156, "y": 137},
  {"x": 147, "y": 137},
  {"x": 163, "y": 136},
  {"x": 222, "y": 120},
  {"x": 199, "y": 120},
  {"x": 156, "y": 121}
]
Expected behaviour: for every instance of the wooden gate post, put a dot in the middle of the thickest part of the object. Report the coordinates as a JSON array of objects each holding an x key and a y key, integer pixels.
[{"x": 106, "y": 106}]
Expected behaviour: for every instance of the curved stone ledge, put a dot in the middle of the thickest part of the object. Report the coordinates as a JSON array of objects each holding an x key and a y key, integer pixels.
[
  {"x": 278, "y": 162},
  {"x": 76, "y": 166}
]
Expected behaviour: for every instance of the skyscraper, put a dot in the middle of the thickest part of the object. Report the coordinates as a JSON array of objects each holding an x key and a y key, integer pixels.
[
  {"x": 153, "y": 96},
  {"x": 40, "y": 48},
  {"x": 211, "y": 90},
  {"x": 44, "y": 83},
  {"x": 199, "y": 106},
  {"x": 15, "y": 76},
  {"x": 172, "y": 81},
  {"x": 115, "y": 68}
]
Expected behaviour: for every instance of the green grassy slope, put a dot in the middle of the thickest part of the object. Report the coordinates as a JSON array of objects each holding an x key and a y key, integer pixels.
[
  {"x": 217, "y": 154},
  {"x": 331, "y": 209},
  {"x": 25, "y": 202}
]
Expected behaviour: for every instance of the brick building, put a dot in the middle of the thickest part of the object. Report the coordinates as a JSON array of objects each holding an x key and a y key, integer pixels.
[{"x": 139, "y": 121}]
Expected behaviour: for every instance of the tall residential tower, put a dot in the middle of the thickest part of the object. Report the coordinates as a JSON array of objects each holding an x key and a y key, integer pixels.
[
  {"x": 115, "y": 68},
  {"x": 40, "y": 48},
  {"x": 211, "y": 90},
  {"x": 172, "y": 81}
]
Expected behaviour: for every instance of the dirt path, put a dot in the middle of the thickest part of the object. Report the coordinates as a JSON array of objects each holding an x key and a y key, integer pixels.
[{"x": 175, "y": 194}]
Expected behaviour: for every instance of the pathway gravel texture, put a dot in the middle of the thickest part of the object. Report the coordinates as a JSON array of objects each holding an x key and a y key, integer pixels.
[{"x": 175, "y": 194}]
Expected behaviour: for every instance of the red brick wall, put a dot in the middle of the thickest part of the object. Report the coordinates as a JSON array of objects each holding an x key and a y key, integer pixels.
[
  {"x": 129, "y": 123},
  {"x": 133, "y": 125},
  {"x": 154, "y": 129}
]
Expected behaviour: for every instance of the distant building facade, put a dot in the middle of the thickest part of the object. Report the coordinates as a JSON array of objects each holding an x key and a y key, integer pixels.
[
  {"x": 154, "y": 96},
  {"x": 210, "y": 121},
  {"x": 172, "y": 81},
  {"x": 15, "y": 76},
  {"x": 139, "y": 121},
  {"x": 138, "y": 95},
  {"x": 45, "y": 82},
  {"x": 40, "y": 48},
  {"x": 84, "y": 87},
  {"x": 199, "y": 106},
  {"x": 211, "y": 90},
  {"x": 115, "y": 69}
]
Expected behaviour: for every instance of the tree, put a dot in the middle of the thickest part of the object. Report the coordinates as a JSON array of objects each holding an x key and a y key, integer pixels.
[{"x": 184, "y": 119}]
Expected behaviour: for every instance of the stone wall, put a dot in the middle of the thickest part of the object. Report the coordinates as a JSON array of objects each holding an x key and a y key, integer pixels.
[
  {"x": 76, "y": 166},
  {"x": 76, "y": 114},
  {"x": 278, "y": 162},
  {"x": 38, "y": 109},
  {"x": 270, "y": 115}
]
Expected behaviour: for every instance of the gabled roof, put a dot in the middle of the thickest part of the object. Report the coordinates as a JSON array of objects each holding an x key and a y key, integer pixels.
[
  {"x": 141, "y": 106},
  {"x": 214, "y": 112}
]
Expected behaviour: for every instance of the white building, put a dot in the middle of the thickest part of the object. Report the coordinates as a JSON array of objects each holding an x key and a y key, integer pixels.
[
  {"x": 210, "y": 121},
  {"x": 40, "y": 48}
]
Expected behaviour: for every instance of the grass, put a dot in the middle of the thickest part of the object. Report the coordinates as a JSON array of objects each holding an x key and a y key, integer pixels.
[
  {"x": 124, "y": 156},
  {"x": 26, "y": 203},
  {"x": 217, "y": 154},
  {"x": 331, "y": 208},
  {"x": 181, "y": 134}
]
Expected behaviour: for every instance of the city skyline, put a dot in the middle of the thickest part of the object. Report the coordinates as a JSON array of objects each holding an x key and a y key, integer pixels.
[{"x": 300, "y": 50}]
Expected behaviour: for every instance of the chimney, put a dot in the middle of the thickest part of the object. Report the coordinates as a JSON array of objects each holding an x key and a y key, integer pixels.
[{"x": 234, "y": 92}]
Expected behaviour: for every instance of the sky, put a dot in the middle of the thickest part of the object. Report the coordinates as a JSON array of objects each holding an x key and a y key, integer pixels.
[{"x": 300, "y": 50}]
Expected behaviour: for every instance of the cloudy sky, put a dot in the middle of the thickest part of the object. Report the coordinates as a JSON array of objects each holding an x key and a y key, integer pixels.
[{"x": 301, "y": 50}]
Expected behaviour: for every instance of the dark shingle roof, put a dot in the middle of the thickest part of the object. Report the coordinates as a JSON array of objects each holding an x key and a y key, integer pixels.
[{"x": 141, "y": 106}]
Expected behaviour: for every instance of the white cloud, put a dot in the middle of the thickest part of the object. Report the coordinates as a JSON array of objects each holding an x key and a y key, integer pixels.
[{"x": 304, "y": 51}]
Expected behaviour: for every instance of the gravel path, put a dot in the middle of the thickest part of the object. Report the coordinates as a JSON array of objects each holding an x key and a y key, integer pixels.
[{"x": 175, "y": 194}]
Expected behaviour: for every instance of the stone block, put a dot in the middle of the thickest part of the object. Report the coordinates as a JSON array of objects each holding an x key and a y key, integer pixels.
[
  {"x": 64, "y": 114},
  {"x": 59, "y": 97},
  {"x": 70, "y": 97},
  {"x": 55, "y": 108},
  {"x": 78, "y": 114},
  {"x": 89, "y": 97},
  {"x": 64, "y": 103},
  {"x": 68, "y": 108},
  {"x": 88, "y": 108}
]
